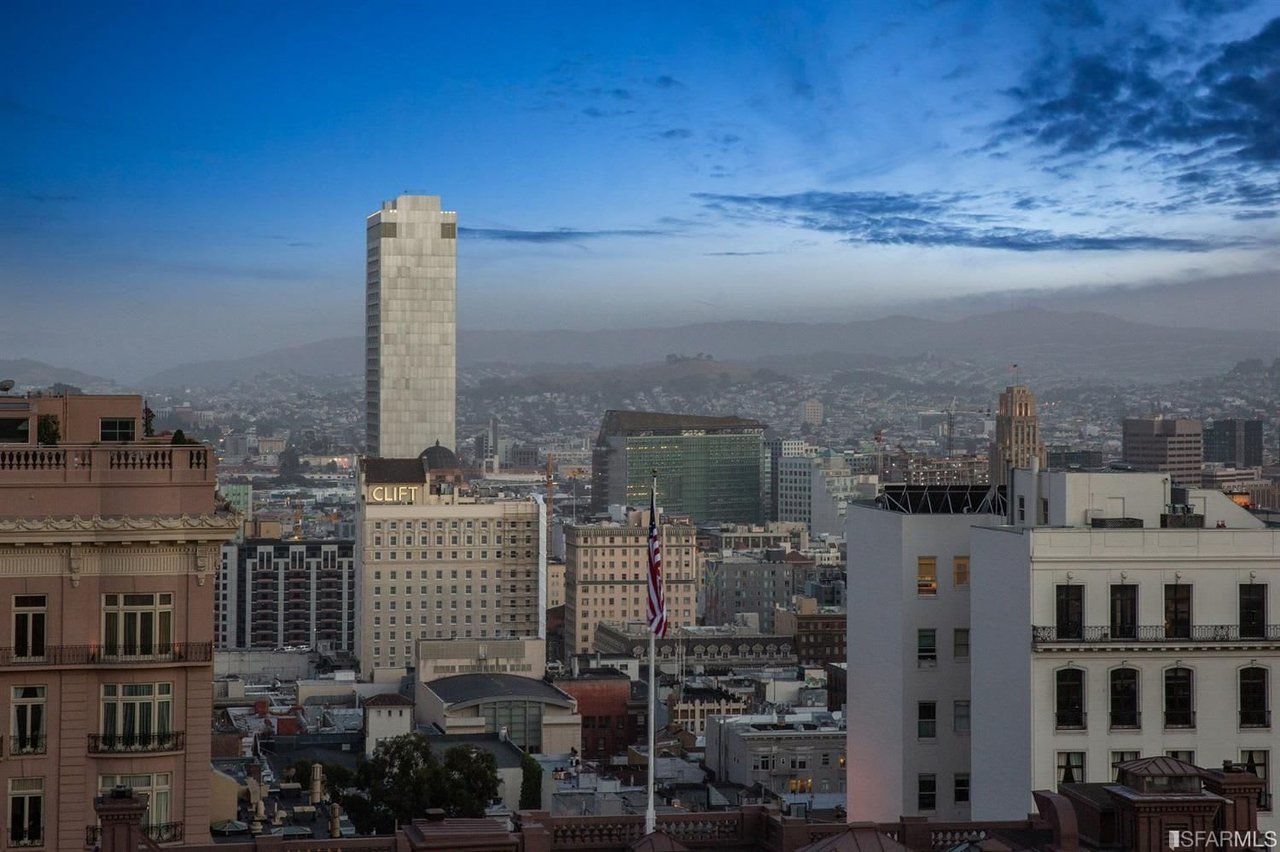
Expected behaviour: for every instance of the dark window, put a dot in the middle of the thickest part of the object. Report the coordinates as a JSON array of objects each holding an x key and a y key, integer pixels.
[
  {"x": 1124, "y": 612},
  {"x": 116, "y": 429},
  {"x": 1124, "y": 698},
  {"x": 1253, "y": 611},
  {"x": 1253, "y": 698},
  {"x": 387, "y": 230},
  {"x": 449, "y": 230},
  {"x": 927, "y": 720},
  {"x": 1177, "y": 611},
  {"x": 962, "y": 788},
  {"x": 927, "y": 792},
  {"x": 1069, "y": 698},
  {"x": 1070, "y": 609},
  {"x": 926, "y": 648},
  {"x": 28, "y": 625},
  {"x": 15, "y": 430},
  {"x": 1179, "y": 710}
]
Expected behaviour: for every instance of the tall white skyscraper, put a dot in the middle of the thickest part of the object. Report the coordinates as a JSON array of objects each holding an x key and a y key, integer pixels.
[{"x": 411, "y": 364}]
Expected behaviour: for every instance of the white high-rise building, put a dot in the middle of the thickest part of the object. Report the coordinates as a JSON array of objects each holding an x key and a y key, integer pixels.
[
  {"x": 410, "y": 327},
  {"x": 1101, "y": 618}
]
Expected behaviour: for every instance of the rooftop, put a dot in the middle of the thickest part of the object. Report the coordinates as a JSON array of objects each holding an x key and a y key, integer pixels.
[
  {"x": 461, "y": 689},
  {"x": 650, "y": 421}
]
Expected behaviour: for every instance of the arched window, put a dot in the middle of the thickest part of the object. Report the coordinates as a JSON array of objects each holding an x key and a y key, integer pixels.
[
  {"x": 1069, "y": 698},
  {"x": 1124, "y": 699},
  {"x": 1179, "y": 698},
  {"x": 1254, "y": 712}
]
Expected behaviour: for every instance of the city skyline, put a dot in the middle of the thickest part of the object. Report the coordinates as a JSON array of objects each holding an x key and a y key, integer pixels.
[{"x": 607, "y": 160}]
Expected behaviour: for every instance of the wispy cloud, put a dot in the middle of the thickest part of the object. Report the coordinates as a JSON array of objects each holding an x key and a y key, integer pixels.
[
  {"x": 554, "y": 235},
  {"x": 1207, "y": 124},
  {"x": 935, "y": 219}
]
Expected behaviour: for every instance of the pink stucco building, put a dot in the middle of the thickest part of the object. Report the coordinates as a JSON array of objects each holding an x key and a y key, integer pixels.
[{"x": 109, "y": 548}]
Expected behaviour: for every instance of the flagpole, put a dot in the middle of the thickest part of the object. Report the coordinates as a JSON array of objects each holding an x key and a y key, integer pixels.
[{"x": 650, "y": 814}]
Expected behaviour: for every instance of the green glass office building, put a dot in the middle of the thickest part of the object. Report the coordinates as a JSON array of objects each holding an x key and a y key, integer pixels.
[{"x": 708, "y": 467}]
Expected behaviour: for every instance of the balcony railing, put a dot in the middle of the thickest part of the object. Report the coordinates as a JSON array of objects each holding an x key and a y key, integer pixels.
[
  {"x": 137, "y": 743},
  {"x": 1123, "y": 721},
  {"x": 1070, "y": 720},
  {"x": 31, "y": 744},
  {"x": 1255, "y": 718},
  {"x": 1179, "y": 718},
  {"x": 1147, "y": 633},
  {"x": 26, "y": 837},
  {"x": 79, "y": 655},
  {"x": 163, "y": 832}
]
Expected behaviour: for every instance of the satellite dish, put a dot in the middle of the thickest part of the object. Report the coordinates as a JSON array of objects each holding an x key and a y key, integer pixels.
[{"x": 6, "y": 385}]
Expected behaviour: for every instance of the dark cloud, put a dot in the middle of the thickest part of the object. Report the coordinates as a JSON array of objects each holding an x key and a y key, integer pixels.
[
  {"x": 596, "y": 112},
  {"x": 960, "y": 72},
  {"x": 554, "y": 235},
  {"x": 666, "y": 81},
  {"x": 934, "y": 219},
  {"x": 676, "y": 133},
  {"x": 1201, "y": 125},
  {"x": 1074, "y": 13},
  {"x": 1214, "y": 8}
]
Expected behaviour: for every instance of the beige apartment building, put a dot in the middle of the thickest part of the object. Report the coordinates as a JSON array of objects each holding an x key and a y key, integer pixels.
[
  {"x": 109, "y": 550},
  {"x": 606, "y": 577},
  {"x": 436, "y": 563}
]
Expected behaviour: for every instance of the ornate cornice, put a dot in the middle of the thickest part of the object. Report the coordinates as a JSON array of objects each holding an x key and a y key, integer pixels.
[{"x": 218, "y": 521}]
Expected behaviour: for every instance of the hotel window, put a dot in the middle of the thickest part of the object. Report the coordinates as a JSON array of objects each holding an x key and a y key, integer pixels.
[
  {"x": 116, "y": 429},
  {"x": 29, "y": 616},
  {"x": 960, "y": 570},
  {"x": 26, "y": 811},
  {"x": 1177, "y": 611},
  {"x": 1070, "y": 611},
  {"x": 960, "y": 714},
  {"x": 1256, "y": 761},
  {"x": 1253, "y": 611},
  {"x": 1124, "y": 611},
  {"x": 1071, "y": 767},
  {"x": 927, "y": 576},
  {"x": 960, "y": 642},
  {"x": 156, "y": 786},
  {"x": 1124, "y": 699},
  {"x": 28, "y": 729},
  {"x": 961, "y": 791},
  {"x": 1119, "y": 757},
  {"x": 926, "y": 648},
  {"x": 1253, "y": 698},
  {"x": 926, "y": 720},
  {"x": 137, "y": 716},
  {"x": 927, "y": 792},
  {"x": 1069, "y": 699},
  {"x": 1179, "y": 697}
]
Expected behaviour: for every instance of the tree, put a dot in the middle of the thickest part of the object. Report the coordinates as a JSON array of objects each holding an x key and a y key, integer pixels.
[
  {"x": 530, "y": 783},
  {"x": 471, "y": 781},
  {"x": 404, "y": 778}
]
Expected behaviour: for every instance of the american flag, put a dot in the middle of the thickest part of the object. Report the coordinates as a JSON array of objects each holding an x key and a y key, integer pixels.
[{"x": 657, "y": 596}]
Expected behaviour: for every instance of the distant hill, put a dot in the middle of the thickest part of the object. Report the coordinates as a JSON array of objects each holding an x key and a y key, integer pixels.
[
  {"x": 1048, "y": 346},
  {"x": 334, "y": 357},
  {"x": 37, "y": 374}
]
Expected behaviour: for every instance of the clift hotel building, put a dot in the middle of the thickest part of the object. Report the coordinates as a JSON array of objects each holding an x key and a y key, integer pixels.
[
  {"x": 437, "y": 563},
  {"x": 109, "y": 547}
]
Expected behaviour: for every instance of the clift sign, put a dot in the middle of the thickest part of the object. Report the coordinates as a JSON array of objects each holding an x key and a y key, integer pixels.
[{"x": 394, "y": 493}]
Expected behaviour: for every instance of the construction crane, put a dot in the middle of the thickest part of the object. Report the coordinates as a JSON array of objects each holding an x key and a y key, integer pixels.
[{"x": 951, "y": 412}]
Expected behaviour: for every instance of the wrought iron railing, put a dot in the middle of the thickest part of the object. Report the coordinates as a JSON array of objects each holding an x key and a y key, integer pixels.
[
  {"x": 161, "y": 832},
  {"x": 29, "y": 744},
  {"x": 78, "y": 655},
  {"x": 1092, "y": 635},
  {"x": 1070, "y": 720},
  {"x": 1121, "y": 720},
  {"x": 1179, "y": 718},
  {"x": 1255, "y": 718},
  {"x": 133, "y": 743}
]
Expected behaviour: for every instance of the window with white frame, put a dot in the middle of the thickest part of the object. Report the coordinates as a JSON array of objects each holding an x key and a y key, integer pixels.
[
  {"x": 27, "y": 731},
  {"x": 26, "y": 811},
  {"x": 137, "y": 715},
  {"x": 156, "y": 785},
  {"x": 137, "y": 625},
  {"x": 29, "y": 616}
]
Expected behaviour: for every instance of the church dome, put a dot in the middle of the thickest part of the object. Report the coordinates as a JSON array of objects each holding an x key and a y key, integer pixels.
[{"x": 439, "y": 458}]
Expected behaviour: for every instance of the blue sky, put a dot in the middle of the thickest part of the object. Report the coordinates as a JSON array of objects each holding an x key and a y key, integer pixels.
[{"x": 162, "y": 163}]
